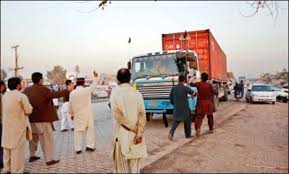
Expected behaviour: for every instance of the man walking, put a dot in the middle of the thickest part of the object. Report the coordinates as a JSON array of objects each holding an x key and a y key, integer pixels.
[
  {"x": 2, "y": 91},
  {"x": 129, "y": 122},
  {"x": 182, "y": 112},
  {"x": 16, "y": 126},
  {"x": 204, "y": 103},
  {"x": 42, "y": 117},
  {"x": 80, "y": 109}
]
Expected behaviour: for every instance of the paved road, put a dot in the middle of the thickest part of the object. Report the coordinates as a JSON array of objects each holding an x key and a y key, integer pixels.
[
  {"x": 100, "y": 160},
  {"x": 257, "y": 136}
]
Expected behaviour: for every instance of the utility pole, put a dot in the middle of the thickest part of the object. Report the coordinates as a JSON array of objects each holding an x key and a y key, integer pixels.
[{"x": 16, "y": 60}]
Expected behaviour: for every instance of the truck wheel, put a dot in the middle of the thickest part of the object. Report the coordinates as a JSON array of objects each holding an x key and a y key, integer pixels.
[
  {"x": 149, "y": 115},
  {"x": 273, "y": 103},
  {"x": 165, "y": 120},
  {"x": 284, "y": 100}
]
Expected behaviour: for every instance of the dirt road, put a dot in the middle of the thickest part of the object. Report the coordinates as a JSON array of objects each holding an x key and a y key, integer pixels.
[{"x": 256, "y": 136}]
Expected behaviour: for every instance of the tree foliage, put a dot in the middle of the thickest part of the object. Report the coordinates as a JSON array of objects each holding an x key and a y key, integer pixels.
[
  {"x": 57, "y": 75},
  {"x": 267, "y": 6},
  {"x": 280, "y": 75}
]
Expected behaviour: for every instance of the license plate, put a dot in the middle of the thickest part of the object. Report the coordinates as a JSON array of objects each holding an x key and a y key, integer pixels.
[{"x": 152, "y": 103}]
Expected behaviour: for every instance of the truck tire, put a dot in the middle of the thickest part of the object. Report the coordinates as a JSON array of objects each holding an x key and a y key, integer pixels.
[
  {"x": 165, "y": 120},
  {"x": 149, "y": 116}
]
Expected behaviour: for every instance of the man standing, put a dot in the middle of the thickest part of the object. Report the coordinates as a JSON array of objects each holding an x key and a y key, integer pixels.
[
  {"x": 204, "y": 103},
  {"x": 2, "y": 91},
  {"x": 129, "y": 122},
  {"x": 81, "y": 111},
  {"x": 182, "y": 112},
  {"x": 242, "y": 88},
  {"x": 42, "y": 117},
  {"x": 16, "y": 127},
  {"x": 66, "y": 121}
]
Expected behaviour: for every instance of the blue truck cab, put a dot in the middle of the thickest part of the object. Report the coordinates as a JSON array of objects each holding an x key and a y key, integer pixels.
[{"x": 154, "y": 75}]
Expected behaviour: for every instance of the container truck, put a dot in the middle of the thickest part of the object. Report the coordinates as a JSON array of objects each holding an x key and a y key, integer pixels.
[
  {"x": 211, "y": 57},
  {"x": 188, "y": 53}
]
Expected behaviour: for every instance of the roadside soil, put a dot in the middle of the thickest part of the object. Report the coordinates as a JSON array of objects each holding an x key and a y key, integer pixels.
[{"x": 256, "y": 136}]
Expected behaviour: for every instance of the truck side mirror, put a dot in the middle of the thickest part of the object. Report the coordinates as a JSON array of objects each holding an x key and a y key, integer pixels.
[
  {"x": 129, "y": 65},
  {"x": 249, "y": 90}
]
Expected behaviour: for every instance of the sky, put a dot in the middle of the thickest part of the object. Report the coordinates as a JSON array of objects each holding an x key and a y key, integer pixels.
[{"x": 59, "y": 33}]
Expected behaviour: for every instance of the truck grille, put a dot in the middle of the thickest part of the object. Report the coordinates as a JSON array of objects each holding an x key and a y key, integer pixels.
[{"x": 155, "y": 90}]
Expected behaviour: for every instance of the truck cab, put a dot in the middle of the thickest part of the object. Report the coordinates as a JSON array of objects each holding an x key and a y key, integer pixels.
[{"x": 154, "y": 75}]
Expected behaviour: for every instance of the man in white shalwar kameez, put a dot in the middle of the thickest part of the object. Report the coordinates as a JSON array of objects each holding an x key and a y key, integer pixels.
[
  {"x": 80, "y": 109},
  {"x": 127, "y": 106},
  {"x": 66, "y": 121},
  {"x": 16, "y": 127}
]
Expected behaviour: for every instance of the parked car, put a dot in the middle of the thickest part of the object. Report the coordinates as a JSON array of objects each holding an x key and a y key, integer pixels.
[
  {"x": 100, "y": 91},
  {"x": 285, "y": 88},
  {"x": 281, "y": 94},
  {"x": 261, "y": 93}
]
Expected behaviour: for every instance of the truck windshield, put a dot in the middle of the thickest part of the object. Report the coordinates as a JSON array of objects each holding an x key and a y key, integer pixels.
[
  {"x": 261, "y": 88},
  {"x": 153, "y": 66}
]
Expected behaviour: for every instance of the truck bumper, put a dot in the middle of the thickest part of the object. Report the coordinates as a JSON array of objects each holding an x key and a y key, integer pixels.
[{"x": 164, "y": 105}]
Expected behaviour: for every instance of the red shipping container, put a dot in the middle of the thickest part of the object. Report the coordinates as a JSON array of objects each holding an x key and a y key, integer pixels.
[{"x": 212, "y": 59}]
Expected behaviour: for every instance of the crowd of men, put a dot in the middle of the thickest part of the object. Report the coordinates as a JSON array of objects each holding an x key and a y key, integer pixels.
[{"x": 28, "y": 115}]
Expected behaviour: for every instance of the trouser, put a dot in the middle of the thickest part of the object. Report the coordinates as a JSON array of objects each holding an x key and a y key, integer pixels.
[
  {"x": 187, "y": 127},
  {"x": 122, "y": 165},
  {"x": 43, "y": 133},
  {"x": 1, "y": 149},
  {"x": 89, "y": 138},
  {"x": 14, "y": 159},
  {"x": 199, "y": 120},
  {"x": 66, "y": 122}
]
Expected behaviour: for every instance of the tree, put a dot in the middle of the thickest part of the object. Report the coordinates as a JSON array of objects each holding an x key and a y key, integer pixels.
[
  {"x": 283, "y": 74},
  {"x": 257, "y": 6},
  {"x": 3, "y": 74},
  {"x": 57, "y": 75},
  {"x": 266, "y": 77}
]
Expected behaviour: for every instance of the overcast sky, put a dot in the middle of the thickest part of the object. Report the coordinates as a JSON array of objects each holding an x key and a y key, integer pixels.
[{"x": 52, "y": 33}]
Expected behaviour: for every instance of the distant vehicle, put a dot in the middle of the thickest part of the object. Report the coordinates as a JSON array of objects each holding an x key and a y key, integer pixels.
[
  {"x": 261, "y": 93},
  {"x": 281, "y": 94},
  {"x": 285, "y": 88},
  {"x": 100, "y": 91},
  {"x": 110, "y": 87},
  {"x": 238, "y": 95}
]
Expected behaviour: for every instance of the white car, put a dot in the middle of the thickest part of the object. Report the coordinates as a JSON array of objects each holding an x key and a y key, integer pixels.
[
  {"x": 285, "y": 88},
  {"x": 261, "y": 93},
  {"x": 281, "y": 94},
  {"x": 101, "y": 91}
]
